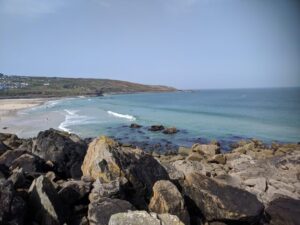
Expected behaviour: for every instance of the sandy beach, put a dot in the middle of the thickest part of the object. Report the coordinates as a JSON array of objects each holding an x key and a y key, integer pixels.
[{"x": 9, "y": 107}]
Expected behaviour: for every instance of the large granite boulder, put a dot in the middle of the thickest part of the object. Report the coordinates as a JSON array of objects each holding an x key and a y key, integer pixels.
[
  {"x": 219, "y": 202},
  {"x": 284, "y": 211},
  {"x": 107, "y": 160},
  {"x": 65, "y": 150},
  {"x": 167, "y": 199},
  {"x": 100, "y": 211},
  {"x": 142, "y": 217},
  {"x": 45, "y": 205},
  {"x": 12, "y": 206}
]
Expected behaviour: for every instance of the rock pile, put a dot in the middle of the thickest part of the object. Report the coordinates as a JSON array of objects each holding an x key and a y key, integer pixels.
[{"x": 57, "y": 178}]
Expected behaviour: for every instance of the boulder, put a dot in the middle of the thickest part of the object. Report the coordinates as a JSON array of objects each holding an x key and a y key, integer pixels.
[
  {"x": 44, "y": 203},
  {"x": 65, "y": 150},
  {"x": 284, "y": 211},
  {"x": 219, "y": 158},
  {"x": 167, "y": 199},
  {"x": 195, "y": 156},
  {"x": 8, "y": 157},
  {"x": 10, "y": 140},
  {"x": 206, "y": 149},
  {"x": 74, "y": 191},
  {"x": 12, "y": 207},
  {"x": 170, "y": 130},
  {"x": 113, "y": 189},
  {"x": 219, "y": 202},
  {"x": 142, "y": 217},
  {"x": 156, "y": 128},
  {"x": 3, "y": 148},
  {"x": 134, "y": 125},
  {"x": 29, "y": 163},
  {"x": 184, "y": 151},
  {"x": 100, "y": 211},
  {"x": 108, "y": 161}
]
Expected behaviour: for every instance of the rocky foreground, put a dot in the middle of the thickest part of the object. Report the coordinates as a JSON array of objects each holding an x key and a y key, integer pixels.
[{"x": 57, "y": 178}]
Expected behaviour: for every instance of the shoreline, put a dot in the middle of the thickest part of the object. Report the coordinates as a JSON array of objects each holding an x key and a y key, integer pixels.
[{"x": 9, "y": 109}]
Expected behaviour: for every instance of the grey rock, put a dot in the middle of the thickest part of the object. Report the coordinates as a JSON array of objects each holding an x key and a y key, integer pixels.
[
  {"x": 100, "y": 211},
  {"x": 46, "y": 207}
]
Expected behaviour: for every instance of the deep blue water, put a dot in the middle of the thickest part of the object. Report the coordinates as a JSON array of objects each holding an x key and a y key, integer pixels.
[{"x": 225, "y": 115}]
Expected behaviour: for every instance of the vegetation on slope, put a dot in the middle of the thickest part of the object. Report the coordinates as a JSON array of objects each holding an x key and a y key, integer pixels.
[{"x": 26, "y": 86}]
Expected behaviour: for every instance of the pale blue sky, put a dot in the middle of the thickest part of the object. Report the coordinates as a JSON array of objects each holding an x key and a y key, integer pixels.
[{"x": 181, "y": 43}]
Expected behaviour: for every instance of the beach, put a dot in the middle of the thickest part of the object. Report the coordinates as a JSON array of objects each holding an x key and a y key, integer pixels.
[{"x": 10, "y": 107}]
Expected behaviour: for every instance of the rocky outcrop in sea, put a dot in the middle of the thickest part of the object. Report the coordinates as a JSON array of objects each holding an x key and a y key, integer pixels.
[{"x": 58, "y": 178}]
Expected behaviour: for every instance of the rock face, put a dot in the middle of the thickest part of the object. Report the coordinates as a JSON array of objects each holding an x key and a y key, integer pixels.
[
  {"x": 284, "y": 211},
  {"x": 65, "y": 150},
  {"x": 10, "y": 140},
  {"x": 108, "y": 161},
  {"x": 44, "y": 204},
  {"x": 100, "y": 211},
  {"x": 220, "y": 202},
  {"x": 142, "y": 217},
  {"x": 12, "y": 206},
  {"x": 167, "y": 199}
]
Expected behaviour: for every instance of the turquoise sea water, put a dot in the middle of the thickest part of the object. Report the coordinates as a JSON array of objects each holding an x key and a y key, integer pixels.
[{"x": 225, "y": 115}]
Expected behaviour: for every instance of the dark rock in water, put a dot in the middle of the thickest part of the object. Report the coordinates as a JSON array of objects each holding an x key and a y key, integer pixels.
[
  {"x": 134, "y": 125},
  {"x": 100, "y": 211},
  {"x": 74, "y": 191},
  {"x": 108, "y": 161},
  {"x": 65, "y": 150},
  {"x": 170, "y": 130},
  {"x": 156, "y": 128},
  {"x": 12, "y": 206},
  {"x": 167, "y": 199},
  {"x": 45, "y": 205},
  {"x": 219, "y": 202},
  {"x": 4, "y": 128},
  {"x": 284, "y": 211}
]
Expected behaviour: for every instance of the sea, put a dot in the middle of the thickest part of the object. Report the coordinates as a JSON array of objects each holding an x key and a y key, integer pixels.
[{"x": 200, "y": 116}]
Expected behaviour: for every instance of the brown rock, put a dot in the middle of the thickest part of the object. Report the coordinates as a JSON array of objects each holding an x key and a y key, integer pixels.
[
  {"x": 219, "y": 158},
  {"x": 170, "y": 130},
  {"x": 206, "y": 149},
  {"x": 219, "y": 202},
  {"x": 167, "y": 199}
]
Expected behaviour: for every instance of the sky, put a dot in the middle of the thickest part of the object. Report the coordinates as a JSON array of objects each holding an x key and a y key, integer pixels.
[{"x": 188, "y": 44}]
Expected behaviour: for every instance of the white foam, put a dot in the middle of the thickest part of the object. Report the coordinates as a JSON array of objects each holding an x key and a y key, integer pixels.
[
  {"x": 119, "y": 115},
  {"x": 72, "y": 118}
]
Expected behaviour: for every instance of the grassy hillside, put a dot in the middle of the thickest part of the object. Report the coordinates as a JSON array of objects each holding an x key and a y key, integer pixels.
[{"x": 26, "y": 86}]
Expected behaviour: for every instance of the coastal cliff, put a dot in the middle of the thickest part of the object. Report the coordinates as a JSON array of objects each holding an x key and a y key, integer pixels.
[{"x": 59, "y": 178}]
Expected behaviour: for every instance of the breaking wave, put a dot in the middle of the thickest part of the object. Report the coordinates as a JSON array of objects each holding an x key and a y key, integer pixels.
[{"x": 124, "y": 116}]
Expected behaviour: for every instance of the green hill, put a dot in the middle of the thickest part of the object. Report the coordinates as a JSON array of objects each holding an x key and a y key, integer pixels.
[{"x": 30, "y": 87}]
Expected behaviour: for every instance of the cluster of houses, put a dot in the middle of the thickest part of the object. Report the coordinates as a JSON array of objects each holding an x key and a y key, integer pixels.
[{"x": 6, "y": 82}]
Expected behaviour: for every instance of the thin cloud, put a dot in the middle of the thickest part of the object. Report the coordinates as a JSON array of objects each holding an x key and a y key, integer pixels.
[{"x": 30, "y": 8}]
